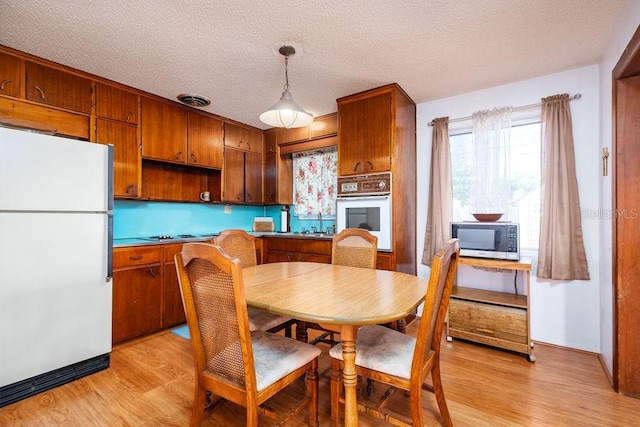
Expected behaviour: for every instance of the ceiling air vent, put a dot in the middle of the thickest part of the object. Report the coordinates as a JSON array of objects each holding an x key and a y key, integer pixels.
[{"x": 194, "y": 100}]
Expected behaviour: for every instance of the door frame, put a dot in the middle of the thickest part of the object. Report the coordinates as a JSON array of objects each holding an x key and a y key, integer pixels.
[{"x": 628, "y": 66}]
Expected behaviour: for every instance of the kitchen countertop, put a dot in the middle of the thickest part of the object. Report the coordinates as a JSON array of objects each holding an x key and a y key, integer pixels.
[{"x": 148, "y": 241}]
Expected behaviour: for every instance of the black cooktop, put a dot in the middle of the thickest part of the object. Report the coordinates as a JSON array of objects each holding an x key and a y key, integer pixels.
[{"x": 178, "y": 236}]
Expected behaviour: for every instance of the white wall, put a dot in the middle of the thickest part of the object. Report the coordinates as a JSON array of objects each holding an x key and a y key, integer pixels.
[
  {"x": 624, "y": 29},
  {"x": 565, "y": 313}
]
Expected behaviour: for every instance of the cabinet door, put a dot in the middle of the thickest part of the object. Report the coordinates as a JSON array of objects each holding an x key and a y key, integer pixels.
[
  {"x": 377, "y": 133},
  {"x": 173, "y": 309},
  {"x": 351, "y": 138},
  {"x": 233, "y": 176},
  {"x": 365, "y": 135},
  {"x": 285, "y": 136},
  {"x": 58, "y": 88},
  {"x": 205, "y": 141},
  {"x": 278, "y": 180},
  {"x": 10, "y": 75},
  {"x": 253, "y": 178},
  {"x": 137, "y": 302},
  {"x": 126, "y": 156},
  {"x": 116, "y": 104},
  {"x": 164, "y": 131},
  {"x": 324, "y": 126},
  {"x": 242, "y": 138}
]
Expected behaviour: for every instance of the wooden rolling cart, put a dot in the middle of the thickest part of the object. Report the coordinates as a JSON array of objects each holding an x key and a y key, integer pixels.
[{"x": 498, "y": 319}]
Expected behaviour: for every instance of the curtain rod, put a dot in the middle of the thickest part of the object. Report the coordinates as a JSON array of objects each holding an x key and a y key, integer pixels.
[{"x": 521, "y": 108}]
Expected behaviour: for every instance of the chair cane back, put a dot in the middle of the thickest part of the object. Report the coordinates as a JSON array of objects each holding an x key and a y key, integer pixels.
[
  {"x": 239, "y": 244},
  {"x": 399, "y": 360},
  {"x": 353, "y": 247},
  {"x": 232, "y": 363}
]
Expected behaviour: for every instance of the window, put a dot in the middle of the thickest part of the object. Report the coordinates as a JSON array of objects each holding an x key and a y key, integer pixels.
[
  {"x": 524, "y": 178},
  {"x": 315, "y": 180}
]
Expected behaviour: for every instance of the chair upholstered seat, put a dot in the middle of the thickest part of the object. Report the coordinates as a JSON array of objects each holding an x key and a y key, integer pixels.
[
  {"x": 276, "y": 356},
  {"x": 261, "y": 320},
  {"x": 382, "y": 349}
]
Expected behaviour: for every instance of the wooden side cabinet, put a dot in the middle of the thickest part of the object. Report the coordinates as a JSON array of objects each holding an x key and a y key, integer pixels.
[
  {"x": 498, "y": 319},
  {"x": 173, "y": 310},
  {"x": 137, "y": 291}
]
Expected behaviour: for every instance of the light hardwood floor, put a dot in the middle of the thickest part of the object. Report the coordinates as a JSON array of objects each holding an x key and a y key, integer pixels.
[{"x": 150, "y": 383}]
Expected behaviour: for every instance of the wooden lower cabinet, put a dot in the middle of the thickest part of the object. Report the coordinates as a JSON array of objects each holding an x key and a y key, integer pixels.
[
  {"x": 284, "y": 249},
  {"x": 303, "y": 249},
  {"x": 137, "y": 291},
  {"x": 146, "y": 293},
  {"x": 173, "y": 311}
]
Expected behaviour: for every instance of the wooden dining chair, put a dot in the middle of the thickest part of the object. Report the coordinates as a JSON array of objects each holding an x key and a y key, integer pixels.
[
  {"x": 354, "y": 247},
  {"x": 402, "y": 361},
  {"x": 240, "y": 244},
  {"x": 231, "y": 362}
]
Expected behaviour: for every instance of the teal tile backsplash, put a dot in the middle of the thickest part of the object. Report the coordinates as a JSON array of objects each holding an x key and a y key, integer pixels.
[{"x": 142, "y": 219}]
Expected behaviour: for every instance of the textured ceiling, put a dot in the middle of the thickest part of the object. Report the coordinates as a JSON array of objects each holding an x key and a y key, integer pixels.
[{"x": 227, "y": 50}]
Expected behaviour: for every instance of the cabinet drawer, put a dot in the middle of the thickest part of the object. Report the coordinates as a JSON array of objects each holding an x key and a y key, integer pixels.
[
  {"x": 138, "y": 255},
  {"x": 505, "y": 323}
]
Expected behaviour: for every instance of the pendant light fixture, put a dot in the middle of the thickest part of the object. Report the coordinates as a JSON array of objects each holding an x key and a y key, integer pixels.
[{"x": 286, "y": 113}]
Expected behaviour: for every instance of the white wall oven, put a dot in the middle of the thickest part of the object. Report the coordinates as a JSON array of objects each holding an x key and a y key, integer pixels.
[{"x": 364, "y": 201}]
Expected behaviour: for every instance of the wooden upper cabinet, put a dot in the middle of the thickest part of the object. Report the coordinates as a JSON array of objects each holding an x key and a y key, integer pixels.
[
  {"x": 364, "y": 134},
  {"x": 10, "y": 75},
  {"x": 324, "y": 126},
  {"x": 233, "y": 176},
  {"x": 164, "y": 131},
  {"x": 242, "y": 138},
  {"x": 205, "y": 141},
  {"x": 285, "y": 136},
  {"x": 253, "y": 178},
  {"x": 321, "y": 127},
  {"x": 58, "y": 88},
  {"x": 126, "y": 156},
  {"x": 116, "y": 104},
  {"x": 278, "y": 173}
]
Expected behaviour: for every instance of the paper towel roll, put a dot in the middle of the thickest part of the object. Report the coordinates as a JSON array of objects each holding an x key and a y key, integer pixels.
[{"x": 283, "y": 221}]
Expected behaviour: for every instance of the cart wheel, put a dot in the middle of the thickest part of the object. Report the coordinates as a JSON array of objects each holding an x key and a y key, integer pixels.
[
  {"x": 530, "y": 358},
  {"x": 449, "y": 338}
]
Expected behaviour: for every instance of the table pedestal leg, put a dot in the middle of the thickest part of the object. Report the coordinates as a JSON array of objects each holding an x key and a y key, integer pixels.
[{"x": 350, "y": 378}]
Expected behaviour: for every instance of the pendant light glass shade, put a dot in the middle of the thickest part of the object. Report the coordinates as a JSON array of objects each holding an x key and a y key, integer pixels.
[{"x": 286, "y": 113}]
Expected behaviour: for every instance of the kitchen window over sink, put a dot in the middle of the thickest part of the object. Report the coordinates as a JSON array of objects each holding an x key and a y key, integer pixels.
[{"x": 315, "y": 178}]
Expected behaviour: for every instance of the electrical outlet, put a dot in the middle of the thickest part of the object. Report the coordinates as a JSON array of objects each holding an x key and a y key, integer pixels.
[{"x": 227, "y": 209}]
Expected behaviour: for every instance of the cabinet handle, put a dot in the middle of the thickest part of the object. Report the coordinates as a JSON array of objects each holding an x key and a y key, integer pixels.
[
  {"x": 485, "y": 331},
  {"x": 249, "y": 145},
  {"x": 239, "y": 143},
  {"x": 178, "y": 155},
  {"x": 239, "y": 196},
  {"x": 41, "y": 92},
  {"x": 151, "y": 273},
  {"x": 355, "y": 168},
  {"x": 131, "y": 189},
  {"x": 4, "y": 83},
  {"x": 136, "y": 258},
  {"x": 194, "y": 159},
  {"x": 370, "y": 165},
  {"x": 129, "y": 115}
]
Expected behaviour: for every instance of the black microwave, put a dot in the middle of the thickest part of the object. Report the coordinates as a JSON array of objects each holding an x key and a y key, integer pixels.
[{"x": 494, "y": 240}]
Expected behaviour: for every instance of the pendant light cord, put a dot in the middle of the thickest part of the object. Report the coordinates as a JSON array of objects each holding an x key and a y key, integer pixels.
[{"x": 286, "y": 72}]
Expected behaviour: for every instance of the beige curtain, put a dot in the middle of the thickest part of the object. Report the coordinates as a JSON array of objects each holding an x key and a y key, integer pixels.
[
  {"x": 561, "y": 254},
  {"x": 439, "y": 213}
]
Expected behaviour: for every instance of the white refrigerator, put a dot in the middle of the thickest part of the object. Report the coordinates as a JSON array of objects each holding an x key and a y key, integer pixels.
[{"x": 56, "y": 216}]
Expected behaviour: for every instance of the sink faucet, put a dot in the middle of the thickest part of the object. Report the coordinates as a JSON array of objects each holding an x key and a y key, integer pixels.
[{"x": 320, "y": 219}]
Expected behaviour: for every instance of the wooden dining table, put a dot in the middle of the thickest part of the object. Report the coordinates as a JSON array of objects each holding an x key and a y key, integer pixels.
[{"x": 339, "y": 298}]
